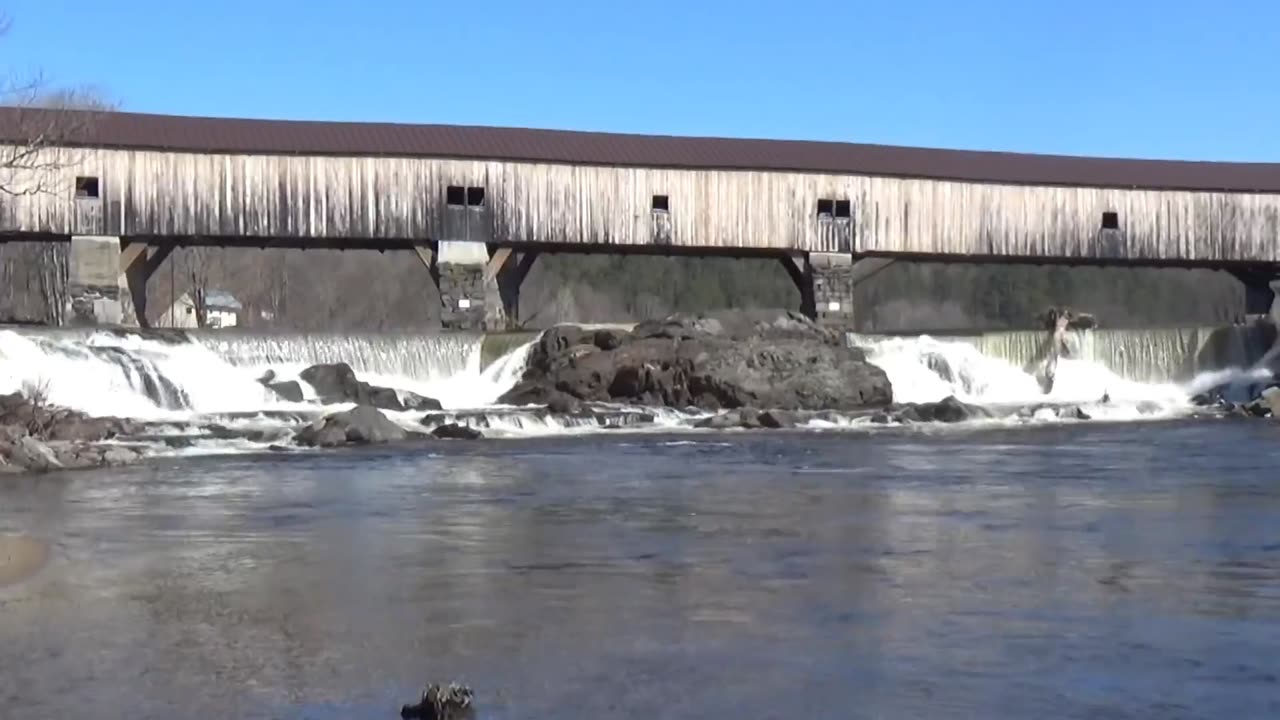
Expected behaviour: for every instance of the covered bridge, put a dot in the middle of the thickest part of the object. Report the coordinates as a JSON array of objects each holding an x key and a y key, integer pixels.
[{"x": 479, "y": 203}]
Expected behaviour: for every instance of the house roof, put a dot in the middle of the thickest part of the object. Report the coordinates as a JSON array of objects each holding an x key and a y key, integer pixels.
[{"x": 232, "y": 135}]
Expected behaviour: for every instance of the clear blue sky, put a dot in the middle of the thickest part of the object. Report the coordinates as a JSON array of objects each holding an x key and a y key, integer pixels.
[{"x": 1197, "y": 79}]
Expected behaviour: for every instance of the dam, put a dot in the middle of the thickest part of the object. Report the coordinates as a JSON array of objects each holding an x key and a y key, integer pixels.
[{"x": 210, "y": 374}]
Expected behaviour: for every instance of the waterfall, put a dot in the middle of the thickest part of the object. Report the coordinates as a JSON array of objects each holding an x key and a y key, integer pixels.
[
  {"x": 1134, "y": 368},
  {"x": 166, "y": 377}
]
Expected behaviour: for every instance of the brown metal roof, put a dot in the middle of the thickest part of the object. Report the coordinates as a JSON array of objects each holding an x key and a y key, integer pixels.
[{"x": 226, "y": 135}]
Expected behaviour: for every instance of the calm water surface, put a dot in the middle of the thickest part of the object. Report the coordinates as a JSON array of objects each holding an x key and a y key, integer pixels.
[{"x": 1094, "y": 571}]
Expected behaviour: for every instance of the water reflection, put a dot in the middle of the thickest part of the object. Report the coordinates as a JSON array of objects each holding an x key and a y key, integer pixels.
[{"x": 1123, "y": 571}]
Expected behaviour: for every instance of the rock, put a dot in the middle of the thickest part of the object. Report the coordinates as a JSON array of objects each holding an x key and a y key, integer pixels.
[
  {"x": 1270, "y": 399},
  {"x": 337, "y": 382},
  {"x": 732, "y": 360},
  {"x": 290, "y": 390},
  {"x": 947, "y": 410},
  {"x": 120, "y": 456},
  {"x": 454, "y": 431},
  {"x": 563, "y": 403},
  {"x": 881, "y": 418},
  {"x": 776, "y": 419},
  {"x": 269, "y": 435},
  {"x": 32, "y": 454},
  {"x": 362, "y": 425},
  {"x": 451, "y": 702},
  {"x": 739, "y": 418},
  {"x": 179, "y": 442},
  {"x": 1074, "y": 320},
  {"x": 416, "y": 402},
  {"x": 37, "y": 437},
  {"x": 1079, "y": 414},
  {"x": 606, "y": 339}
]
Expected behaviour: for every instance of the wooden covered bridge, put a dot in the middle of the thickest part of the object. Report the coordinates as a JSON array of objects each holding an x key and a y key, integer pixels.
[{"x": 478, "y": 204}]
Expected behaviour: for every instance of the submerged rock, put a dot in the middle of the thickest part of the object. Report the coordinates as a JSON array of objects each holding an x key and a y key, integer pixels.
[
  {"x": 740, "y": 418},
  {"x": 361, "y": 425},
  {"x": 454, "y": 431},
  {"x": 727, "y": 361},
  {"x": 448, "y": 702},
  {"x": 337, "y": 382}
]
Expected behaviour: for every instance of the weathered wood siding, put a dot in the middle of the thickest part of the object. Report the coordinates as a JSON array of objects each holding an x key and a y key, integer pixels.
[{"x": 148, "y": 193}]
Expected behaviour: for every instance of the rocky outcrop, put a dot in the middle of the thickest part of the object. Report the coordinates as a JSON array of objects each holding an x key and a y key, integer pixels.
[
  {"x": 337, "y": 383},
  {"x": 723, "y": 361},
  {"x": 455, "y": 431},
  {"x": 361, "y": 425},
  {"x": 38, "y": 437},
  {"x": 947, "y": 410}
]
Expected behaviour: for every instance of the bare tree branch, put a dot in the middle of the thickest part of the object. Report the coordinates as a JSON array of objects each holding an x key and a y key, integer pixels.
[{"x": 37, "y": 122}]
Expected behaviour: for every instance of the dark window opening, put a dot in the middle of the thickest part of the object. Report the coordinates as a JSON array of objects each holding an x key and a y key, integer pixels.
[
  {"x": 661, "y": 203},
  {"x": 826, "y": 208},
  {"x": 455, "y": 195},
  {"x": 87, "y": 187},
  {"x": 844, "y": 208},
  {"x": 1110, "y": 220},
  {"x": 475, "y": 196}
]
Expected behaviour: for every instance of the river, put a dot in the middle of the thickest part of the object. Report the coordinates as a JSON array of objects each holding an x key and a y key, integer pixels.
[{"x": 1071, "y": 571}]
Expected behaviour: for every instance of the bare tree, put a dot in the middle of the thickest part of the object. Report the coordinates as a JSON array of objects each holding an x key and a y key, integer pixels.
[
  {"x": 199, "y": 267},
  {"x": 36, "y": 123}
]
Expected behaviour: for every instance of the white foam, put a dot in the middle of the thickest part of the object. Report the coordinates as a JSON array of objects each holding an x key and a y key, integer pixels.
[{"x": 927, "y": 369}]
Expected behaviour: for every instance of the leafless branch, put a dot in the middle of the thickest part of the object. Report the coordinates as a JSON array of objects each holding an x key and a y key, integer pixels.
[{"x": 37, "y": 122}]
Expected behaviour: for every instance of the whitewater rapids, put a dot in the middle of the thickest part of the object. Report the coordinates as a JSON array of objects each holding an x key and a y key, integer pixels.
[{"x": 215, "y": 377}]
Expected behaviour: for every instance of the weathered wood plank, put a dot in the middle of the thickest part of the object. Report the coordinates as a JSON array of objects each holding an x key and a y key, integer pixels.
[{"x": 354, "y": 200}]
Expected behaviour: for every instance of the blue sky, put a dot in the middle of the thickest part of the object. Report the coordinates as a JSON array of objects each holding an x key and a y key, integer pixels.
[{"x": 1191, "y": 79}]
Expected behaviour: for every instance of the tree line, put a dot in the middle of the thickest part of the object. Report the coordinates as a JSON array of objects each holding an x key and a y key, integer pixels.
[{"x": 331, "y": 290}]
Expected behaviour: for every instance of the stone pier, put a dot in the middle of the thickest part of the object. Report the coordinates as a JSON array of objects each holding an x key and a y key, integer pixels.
[
  {"x": 826, "y": 282},
  {"x": 479, "y": 284},
  {"x": 96, "y": 287}
]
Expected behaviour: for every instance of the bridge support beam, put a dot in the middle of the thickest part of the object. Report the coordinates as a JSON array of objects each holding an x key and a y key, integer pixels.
[
  {"x": 1261, "y": 293},
  {"x": 826, "y": 282},
  {"x": 508, "y": 269},
  {"x": 138, "y": 262},
  {"x": 96, "y": 288}
]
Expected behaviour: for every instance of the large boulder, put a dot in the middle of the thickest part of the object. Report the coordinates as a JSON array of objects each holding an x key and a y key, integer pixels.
[
  {"x": 766, "y": 359},
  {"x": 947, "y": 410},
  {"x": 337, "y": 383},
  {"x": 361, "y": 425}
]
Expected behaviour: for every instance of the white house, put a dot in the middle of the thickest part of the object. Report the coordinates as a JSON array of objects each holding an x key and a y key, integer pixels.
[{"x": 222, "y": 310}]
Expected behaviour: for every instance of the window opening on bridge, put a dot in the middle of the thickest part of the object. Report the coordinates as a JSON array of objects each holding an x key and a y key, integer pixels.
[
  {"x": 1110, "y": 220},
  {"x": 826, "y": 208},
  {"x": 475, "y": 196},
  {"x": 87, "y": 188},
  {"x": 455, "y": 195},
  {"x": 661, "y": 203},
  {"x": 844, "y": 208}
]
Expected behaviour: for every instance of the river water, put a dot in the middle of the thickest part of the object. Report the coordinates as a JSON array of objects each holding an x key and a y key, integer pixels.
[{"x": 1084, "y": 570}]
